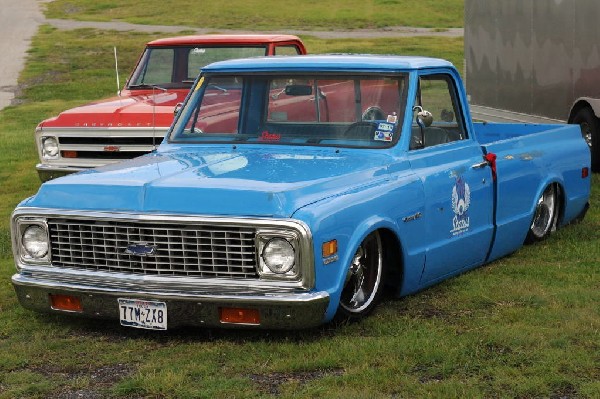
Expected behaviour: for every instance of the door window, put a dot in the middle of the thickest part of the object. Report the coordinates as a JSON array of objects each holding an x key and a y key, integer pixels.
[{"x": 437, "y": 95}]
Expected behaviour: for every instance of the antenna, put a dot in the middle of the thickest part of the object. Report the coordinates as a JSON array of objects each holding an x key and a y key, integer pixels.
[
  {"x": 153, "y": 118},
  {"x": 154, "y": 87},
  {"x": 117, "y": 71}
]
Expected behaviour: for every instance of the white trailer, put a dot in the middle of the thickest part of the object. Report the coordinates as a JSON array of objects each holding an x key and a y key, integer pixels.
[{"x": 535, "y": 61}]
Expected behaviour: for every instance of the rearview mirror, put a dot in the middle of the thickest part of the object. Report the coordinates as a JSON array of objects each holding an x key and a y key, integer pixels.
[
  {"x": 298, "y": 90},
  {"x": 178, "y": 107}
]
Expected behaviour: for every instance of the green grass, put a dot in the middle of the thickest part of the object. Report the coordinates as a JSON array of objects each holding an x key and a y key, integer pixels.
[
  {"x": 526, "y": 326},
  {"x": 268, "y": 14}
]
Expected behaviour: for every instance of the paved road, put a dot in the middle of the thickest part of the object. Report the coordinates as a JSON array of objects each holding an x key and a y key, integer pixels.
[
  {"x": 19, "y": 21},
  {"x": 394, "y": 31}
]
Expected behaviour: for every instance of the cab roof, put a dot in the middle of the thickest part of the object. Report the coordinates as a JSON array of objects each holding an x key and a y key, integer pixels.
[
  {"x": 222, "y": 39},
  {"x": 327, "y": 63}
]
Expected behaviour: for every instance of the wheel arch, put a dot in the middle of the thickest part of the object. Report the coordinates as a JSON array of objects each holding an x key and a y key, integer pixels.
[
  {"x": 584, "y": 102},
  {"x": 392, "y": 255},
  {"x": 393, "y": 258},
  {"x": 391, "y": 244}
]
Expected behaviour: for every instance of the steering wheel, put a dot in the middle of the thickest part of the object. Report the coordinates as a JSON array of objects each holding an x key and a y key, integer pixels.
[
  {"x": 373, "y": 113},
  {"x": 360, "y": 129}
]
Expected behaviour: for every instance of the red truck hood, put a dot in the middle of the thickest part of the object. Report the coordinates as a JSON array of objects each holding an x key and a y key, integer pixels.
[{"x": 141, "y": 108}]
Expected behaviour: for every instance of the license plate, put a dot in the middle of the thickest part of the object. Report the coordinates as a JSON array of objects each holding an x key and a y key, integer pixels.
[{"x": 137, "y": 313}]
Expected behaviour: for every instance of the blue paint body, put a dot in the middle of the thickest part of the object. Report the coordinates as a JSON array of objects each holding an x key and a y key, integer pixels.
[{"x": 415, "y": 196}]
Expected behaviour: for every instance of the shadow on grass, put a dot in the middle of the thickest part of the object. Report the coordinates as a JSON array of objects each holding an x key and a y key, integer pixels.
[{"x": 113, "y": 331}]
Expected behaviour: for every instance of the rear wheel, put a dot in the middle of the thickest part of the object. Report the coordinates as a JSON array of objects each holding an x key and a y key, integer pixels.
[
  {"x": 545, "y": 216},
  {"x": 590, "y": 129},
  {"x": 364, "y": 284}
]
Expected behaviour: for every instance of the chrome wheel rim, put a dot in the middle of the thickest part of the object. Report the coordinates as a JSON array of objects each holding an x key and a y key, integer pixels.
[
  {"x": 545, "y": 212},
  {"x": 364, "y": 276}
]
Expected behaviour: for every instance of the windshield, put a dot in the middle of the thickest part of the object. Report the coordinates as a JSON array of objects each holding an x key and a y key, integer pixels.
[
  {"x": 348, "y": 111},
  {"x": 178, "y": 67}
]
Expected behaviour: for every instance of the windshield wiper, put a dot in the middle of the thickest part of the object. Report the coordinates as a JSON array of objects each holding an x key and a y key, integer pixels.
[{"x": 146, "y": 86}]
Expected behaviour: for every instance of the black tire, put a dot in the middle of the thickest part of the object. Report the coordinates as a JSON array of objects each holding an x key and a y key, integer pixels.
[
  {"x": 545, "y": 216},
  {"x": 590, "y": 129},
  {"x": 364, "y": 285}
]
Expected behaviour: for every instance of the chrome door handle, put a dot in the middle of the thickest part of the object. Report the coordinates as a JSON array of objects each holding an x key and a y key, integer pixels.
[{"x": 480, "y": 165}]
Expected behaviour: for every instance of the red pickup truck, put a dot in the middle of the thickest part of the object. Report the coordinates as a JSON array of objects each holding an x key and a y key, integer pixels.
[{"x": 136, "y": 121}]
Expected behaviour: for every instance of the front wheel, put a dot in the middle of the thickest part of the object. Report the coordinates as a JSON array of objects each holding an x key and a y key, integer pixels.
[
  {"x": 545, "y": 216},
  {"x": 364, "y": 286}
]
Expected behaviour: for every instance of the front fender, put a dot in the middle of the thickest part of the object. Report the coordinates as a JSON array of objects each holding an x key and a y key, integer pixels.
[
  {"x": 351, "y": 217},
  {"x": 365, "y": 228}
]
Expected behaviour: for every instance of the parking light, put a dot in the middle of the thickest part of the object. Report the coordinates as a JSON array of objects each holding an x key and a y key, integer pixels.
[{"x": 239, "y": 316}]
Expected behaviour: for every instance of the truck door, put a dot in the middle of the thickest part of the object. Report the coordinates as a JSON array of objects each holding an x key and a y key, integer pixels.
[{"x": 457, "y": 183}]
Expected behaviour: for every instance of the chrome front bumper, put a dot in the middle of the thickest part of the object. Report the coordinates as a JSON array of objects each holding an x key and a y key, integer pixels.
[
  {"x": 278, "y": 310},
  {"x": 49, "y": 172}
]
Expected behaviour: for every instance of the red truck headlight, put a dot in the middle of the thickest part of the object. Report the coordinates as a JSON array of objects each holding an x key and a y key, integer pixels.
[{"x": 50, "y": 147}]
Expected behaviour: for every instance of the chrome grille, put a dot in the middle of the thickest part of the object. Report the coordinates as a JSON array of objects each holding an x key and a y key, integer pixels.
[{"x": 178, "y": 249}]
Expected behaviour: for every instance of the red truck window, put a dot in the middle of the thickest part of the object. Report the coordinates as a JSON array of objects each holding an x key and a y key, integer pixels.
[
  {"x": 287, "y": 50},
  {"x": 202, "y": 56},
  {"x": 159, "y": 67}
]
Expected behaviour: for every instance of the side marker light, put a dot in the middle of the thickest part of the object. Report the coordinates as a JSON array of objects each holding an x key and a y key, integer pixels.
[{"x": 585, "y": 172}]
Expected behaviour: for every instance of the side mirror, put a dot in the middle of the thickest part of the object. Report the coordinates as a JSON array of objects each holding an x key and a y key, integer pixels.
[
  {"x": 178, "y": 107},
  {"x": 423, "y": 118}
]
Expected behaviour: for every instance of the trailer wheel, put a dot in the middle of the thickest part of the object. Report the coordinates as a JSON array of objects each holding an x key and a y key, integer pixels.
[{"x": 590, "y": 128}]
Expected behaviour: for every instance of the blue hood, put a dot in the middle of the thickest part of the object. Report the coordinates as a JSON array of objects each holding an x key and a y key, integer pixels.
[{"x": 216, "y": 181}]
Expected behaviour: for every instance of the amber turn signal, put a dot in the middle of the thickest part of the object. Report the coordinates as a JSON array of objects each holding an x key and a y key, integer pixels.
[
  {"x": 66, "y": 302},
  {"x": 329, "y": 248},
  {"x": 239, "y": 316},
  {"x": 69, "y": 154}
]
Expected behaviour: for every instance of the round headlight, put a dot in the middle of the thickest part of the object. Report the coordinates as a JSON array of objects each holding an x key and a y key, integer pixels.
[
  {"x": 278, "y": 255},
  {"x": 35, "y": 241},
  {"x": 50, "y": 147}
]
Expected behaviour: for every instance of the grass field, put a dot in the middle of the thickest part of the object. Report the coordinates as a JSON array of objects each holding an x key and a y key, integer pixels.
[
  {"x": 268, "y": 14},
  {"x": 526, "y": 326}
]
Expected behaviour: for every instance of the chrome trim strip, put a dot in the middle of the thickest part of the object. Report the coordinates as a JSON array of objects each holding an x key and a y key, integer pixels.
[
  {"x": 77, "y": 131},
  {"x": 57, "y": 168},
  {"x": 248, "y": 296}
]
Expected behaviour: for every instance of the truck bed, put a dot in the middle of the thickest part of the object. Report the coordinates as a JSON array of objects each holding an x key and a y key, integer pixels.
[
  {"x": 528, "y": 154},
  {"x": 488, "y": 133}
]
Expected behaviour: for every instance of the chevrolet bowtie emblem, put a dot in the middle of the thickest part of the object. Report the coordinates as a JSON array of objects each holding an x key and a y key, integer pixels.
[
  {"x": 141, "y": 249},
  {"x": 112, "y": 148}
]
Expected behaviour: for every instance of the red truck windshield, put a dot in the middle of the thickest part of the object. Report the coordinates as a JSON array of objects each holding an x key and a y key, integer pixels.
[
  {"x": 349, "y": 111},
  {"x": 177, "y": 67}
]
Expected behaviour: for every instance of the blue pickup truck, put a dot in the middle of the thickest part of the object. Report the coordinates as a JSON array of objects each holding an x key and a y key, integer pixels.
[{"x": 292, "y": 190}]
